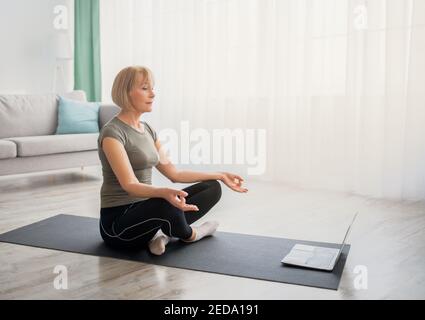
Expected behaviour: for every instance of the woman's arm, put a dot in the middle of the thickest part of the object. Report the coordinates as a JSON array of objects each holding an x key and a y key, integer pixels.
[{"x": 187, "y": 176}]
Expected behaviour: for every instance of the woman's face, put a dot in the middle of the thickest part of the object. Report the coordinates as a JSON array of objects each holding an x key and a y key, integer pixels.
[{"x": 142, "y": 95}]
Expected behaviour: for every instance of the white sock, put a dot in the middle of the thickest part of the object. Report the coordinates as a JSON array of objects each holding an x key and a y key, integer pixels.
[
  {"x": 158, "y": 243},
  {"x": 204, "y": 230}
]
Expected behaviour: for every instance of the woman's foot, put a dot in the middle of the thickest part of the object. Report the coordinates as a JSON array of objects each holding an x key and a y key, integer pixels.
[
  {"x": 158, "y": 243},
  {"x": 204, "y": 230}
]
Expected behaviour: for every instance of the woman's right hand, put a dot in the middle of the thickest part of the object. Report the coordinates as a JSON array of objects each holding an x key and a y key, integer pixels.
[{"x": 177, "y": 199}]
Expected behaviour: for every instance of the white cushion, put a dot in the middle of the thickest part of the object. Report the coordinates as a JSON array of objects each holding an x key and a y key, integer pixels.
[
  {"x": 7, "y": 149},
  {"x": 52, "y": 144}
]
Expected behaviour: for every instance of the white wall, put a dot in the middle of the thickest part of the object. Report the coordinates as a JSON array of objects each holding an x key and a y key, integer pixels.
[{"x": 27, "y": 61}]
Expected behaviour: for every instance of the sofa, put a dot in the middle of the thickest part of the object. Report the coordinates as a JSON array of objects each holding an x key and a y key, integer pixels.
[{"x": 28, "y": 142}]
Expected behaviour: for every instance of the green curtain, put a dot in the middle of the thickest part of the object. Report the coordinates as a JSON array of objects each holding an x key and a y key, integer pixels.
[{"x": 87, "y": 71}]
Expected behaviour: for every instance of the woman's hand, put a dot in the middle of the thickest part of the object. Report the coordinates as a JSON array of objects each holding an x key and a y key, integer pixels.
[
  {"x": 233, "y": 181},
  {"x": 177, "y": 199}
]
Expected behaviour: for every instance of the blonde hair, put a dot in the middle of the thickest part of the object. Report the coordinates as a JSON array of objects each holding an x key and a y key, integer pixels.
[{"x": 125, "y": 81}]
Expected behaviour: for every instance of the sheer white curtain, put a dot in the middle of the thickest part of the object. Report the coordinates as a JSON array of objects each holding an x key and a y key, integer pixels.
[{"x": 337, "y": 84}]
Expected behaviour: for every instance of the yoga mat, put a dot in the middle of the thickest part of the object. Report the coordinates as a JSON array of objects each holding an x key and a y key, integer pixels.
[{"x": 233, "y": 254}]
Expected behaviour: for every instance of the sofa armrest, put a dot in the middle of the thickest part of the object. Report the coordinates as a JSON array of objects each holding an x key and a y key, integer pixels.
[{"x": 106, "y": 113}]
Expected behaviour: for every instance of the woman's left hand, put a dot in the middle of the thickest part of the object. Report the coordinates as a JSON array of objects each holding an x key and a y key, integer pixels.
[{"x": 233, "y": 181}]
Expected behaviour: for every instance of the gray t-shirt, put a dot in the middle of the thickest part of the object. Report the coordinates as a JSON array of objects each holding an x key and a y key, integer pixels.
[{"x": 141, "y": 152}]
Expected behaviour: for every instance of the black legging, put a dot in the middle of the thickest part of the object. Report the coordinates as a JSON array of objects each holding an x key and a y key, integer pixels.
[{"x": 133, "y": 225}]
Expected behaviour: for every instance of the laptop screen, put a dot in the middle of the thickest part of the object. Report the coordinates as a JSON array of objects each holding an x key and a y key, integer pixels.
[{"x": 348, "y": 231}]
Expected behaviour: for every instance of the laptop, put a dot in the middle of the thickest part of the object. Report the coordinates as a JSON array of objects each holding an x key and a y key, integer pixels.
[{"x": 313, "y": 257}]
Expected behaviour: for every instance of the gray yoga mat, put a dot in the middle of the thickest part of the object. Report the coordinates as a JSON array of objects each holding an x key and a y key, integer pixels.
[{"x": 226, "y": 253}]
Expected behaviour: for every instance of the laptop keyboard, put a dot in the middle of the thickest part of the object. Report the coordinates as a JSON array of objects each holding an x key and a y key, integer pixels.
[
  {"x": 322, "y": 257},
  {"x": 313, "y": 256},
  {"x": 320, "y": 261}
]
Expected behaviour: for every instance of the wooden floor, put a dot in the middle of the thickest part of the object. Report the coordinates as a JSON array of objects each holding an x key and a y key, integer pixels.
[{"x": 388, "y": 239}]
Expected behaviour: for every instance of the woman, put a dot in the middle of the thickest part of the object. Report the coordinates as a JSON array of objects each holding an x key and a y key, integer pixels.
[{"x": 135, "y": 214}]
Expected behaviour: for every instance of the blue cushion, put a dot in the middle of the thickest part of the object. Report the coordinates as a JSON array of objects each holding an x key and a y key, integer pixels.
[{"x": 77, "y": 117}]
